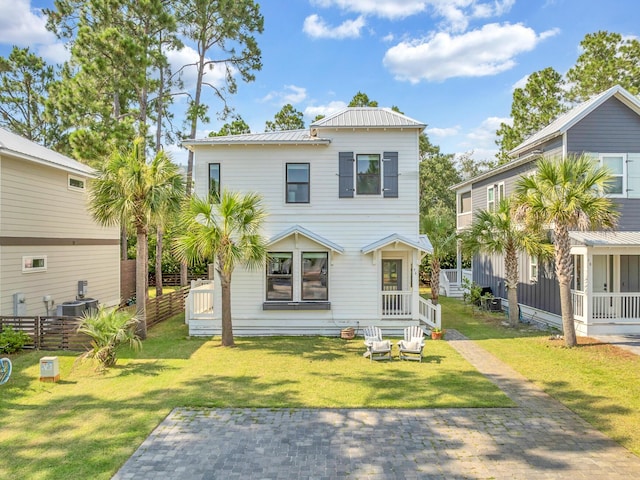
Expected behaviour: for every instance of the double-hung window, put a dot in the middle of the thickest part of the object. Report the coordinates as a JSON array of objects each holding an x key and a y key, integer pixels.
[
  {"x": 214, "y": 180},
  {"x": 298, "y": 183},
  {"x": 617, "y": 166},
  {"x": 280, "y": 276},
  {"x": 533, "y": 268},
  {"x": 368, "y": 174},
  {"x": 495, "y": 194}
]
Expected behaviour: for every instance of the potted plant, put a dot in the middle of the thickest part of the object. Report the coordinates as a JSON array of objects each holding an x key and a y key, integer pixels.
[{"x": 436, "y": 333}]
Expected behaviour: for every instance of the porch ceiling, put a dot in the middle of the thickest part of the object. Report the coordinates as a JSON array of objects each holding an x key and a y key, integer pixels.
[{"x": 605, "y": 239}]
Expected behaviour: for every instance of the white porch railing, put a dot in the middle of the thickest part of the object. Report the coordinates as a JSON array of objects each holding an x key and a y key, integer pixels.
[
  {"x": 429, "y": 313},
  {"x": 612, "y": 307},
  {"x": 199, "y": 304},
  {"x": 451, "y": 275},
  {"x": 396, "y": 303}
]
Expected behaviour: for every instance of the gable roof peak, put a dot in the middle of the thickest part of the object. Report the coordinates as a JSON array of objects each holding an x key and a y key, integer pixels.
[{"x": 367, "y": 117}]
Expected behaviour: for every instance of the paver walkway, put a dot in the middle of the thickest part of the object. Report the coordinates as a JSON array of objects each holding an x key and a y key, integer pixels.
[{"x": 538, "y": 439}]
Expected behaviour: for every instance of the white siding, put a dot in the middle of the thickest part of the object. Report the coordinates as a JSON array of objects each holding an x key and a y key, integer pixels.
[{"x": 352, "y": 223}]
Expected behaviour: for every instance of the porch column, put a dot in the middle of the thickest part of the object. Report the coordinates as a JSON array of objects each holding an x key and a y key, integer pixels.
[
  {"x": 588, "y": 287},
  {"x": 459, "y": 262},
  {"x": 415, "y": 282}
]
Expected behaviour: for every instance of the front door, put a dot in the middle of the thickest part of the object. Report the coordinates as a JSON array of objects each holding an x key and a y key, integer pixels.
[
  {"x": 602, "y": 283},
  {"x": 392, "y": 282}
]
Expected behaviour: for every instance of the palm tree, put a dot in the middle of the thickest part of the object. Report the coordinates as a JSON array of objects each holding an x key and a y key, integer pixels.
[
  {"x": 497, "y": 232},
  {"x": 130, "y": 190},
  {"x": 439, "y": 226},
  {"x": 565, "y": 194},
  {"x": 227, "y": 233}
]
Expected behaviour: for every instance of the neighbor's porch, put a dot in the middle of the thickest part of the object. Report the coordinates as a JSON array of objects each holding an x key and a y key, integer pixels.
[{"x": 606, "y": 282}]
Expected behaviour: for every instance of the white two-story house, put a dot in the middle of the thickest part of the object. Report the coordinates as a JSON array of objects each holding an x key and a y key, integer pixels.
[{"x": 342, "y": 226}]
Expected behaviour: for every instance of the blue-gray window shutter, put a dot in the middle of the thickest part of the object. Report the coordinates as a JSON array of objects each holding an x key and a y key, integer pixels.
[
  {"x": 390, "y": 168},
  {"x": 345, "y": 171}
]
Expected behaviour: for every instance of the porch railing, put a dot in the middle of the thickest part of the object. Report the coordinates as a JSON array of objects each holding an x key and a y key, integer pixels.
[
  {"x": 396, "y": 303},
  {"x": 451, "y": 275},
  {"x": 199, "y": 303},
  {"x": 429, "y": 313},
  {"x": 622, "y": 307}
]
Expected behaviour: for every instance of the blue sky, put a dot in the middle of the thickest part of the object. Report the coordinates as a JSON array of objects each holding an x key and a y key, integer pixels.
[{"x": 451, "y": 64}]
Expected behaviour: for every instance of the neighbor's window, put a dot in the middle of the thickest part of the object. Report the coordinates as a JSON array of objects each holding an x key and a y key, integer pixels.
[
  {"x": 34, "y": 264},
  {"x": 315, "y": 267},
  {"x": 368, "y": 174},
  {"x": 533, "y": 268},
  {"x": 616, "y": 165},
  {"x": 280, "y": 276},
  {"x": 491, "y": 198},
  {"x": 297, "y": 183},
  {"x": 76, "y": 183},
  {"x": 464, "y": 205},
  {"x": 214, "y": 180}
]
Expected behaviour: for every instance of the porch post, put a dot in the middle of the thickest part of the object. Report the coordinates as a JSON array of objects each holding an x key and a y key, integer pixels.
[
  {"x": 588, "y": 288},
  {"x": 415, "y": 281},
  {"x": 459, "y": 262}
]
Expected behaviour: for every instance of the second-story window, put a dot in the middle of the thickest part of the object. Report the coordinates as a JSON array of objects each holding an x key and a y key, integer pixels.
[
  {"x": 616, "y": 165},
  {"x": 495, "y": 193},
  {"x": 298, "y": 183},
  {"x": 214, "y": 180},
  {"x": 368, "y": 174}
]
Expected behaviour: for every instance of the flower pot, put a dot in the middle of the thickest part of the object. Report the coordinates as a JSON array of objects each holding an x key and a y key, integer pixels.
[
  {"x": 436, "y": 335},
  {"x": 347, "y": 333}
]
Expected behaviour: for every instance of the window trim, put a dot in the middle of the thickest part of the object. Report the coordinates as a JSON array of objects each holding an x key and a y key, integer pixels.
[
  {"x": 491, "y": 204},
  {"x": 623, "y": 175},
  {"x": 32, "y": 269},
  {"x": 460, "y": 194},
  {"x": 219, "y": 179},
  {"x": 76, "y": 178},
  {"x": 534, "y": 268},
  {"x": 380, "y": 175},
  {"x": 307, "y": 183}
]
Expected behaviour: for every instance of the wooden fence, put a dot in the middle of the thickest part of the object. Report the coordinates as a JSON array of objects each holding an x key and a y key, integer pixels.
[
  {"x": 172, "y": 279},
  {"x": 49, "y": 333},
  {"x": 166, "y": 306},
  {"x": 60, "y": 333}
]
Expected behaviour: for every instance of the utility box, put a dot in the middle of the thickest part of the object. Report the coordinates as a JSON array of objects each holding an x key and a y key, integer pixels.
[{"x": 49, "y": 369}]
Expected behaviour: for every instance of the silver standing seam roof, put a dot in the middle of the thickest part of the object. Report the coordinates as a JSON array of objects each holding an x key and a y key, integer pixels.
[
  {"x": 605, "y": 239},
  {"x": 351, "y": 117},
  {"x": 19, "y": 147},
  {"x": 297, "y": 229},
  {"x": 423, "y": 244}
]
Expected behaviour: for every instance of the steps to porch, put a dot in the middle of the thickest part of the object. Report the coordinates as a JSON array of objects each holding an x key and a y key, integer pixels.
[{"x": 451, "y": 282}]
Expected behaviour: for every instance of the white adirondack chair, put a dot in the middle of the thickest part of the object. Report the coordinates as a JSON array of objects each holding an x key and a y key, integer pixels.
[
  {"x": 377, "y": 348},
  {"x": 411, "y": 347}
]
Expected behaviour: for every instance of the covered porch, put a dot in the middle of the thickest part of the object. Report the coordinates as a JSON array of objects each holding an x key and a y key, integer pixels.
[{"x": 606, "y": 282}]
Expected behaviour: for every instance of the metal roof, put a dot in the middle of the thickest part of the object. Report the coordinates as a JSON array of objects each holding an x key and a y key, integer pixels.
[
  {"x": 605, "y": 239},
  {"x": 423, "y": 244},
  {"x": 286, "y": 136},
  {"x": 569, "y": 119},
  {"x": 298, "y": 230},
  {"x": 369, "y": 117},
  {"x": 20, "y": 147}
]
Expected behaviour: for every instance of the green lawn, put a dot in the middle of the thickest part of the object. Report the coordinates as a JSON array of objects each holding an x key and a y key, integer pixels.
[
  {"x": 88, "y": 424},
  {"x": 599, "y": 382}
]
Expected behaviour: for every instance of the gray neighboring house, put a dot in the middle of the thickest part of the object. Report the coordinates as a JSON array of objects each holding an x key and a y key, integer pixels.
[{"x": 606, "y": 280}]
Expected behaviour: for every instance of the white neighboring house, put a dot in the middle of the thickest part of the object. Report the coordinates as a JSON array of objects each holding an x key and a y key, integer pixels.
[
  {"x": 48, "y": 240},
  {"x": 343, "y": 226}
]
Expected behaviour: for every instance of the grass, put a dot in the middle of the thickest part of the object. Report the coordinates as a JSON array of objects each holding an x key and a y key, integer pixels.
[
  {"x": 88, "y": 424},
  {"x": 598, "y": 381},
  {"x": 165, "y": 290}
]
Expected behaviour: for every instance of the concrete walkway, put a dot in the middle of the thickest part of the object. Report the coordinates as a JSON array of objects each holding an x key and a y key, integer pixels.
[{"x": 538, "y": 439}]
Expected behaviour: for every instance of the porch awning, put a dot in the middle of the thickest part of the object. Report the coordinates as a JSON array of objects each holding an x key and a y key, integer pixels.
[
  {"x": 605, "y": 239},
  {"x": 423, "y": 244},
  {"x": 298, "y": 230}
]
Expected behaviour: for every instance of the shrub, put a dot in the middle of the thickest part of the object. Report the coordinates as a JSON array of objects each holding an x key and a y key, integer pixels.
[
  {"x": 109, "y": 329},
  {"x": 12, "y": 341}
]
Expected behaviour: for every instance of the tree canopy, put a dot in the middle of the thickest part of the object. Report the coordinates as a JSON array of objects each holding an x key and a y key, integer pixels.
[{"x": 288, "y": 118}]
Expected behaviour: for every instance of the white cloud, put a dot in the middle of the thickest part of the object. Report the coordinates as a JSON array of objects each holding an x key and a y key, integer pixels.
[
  {"x": 187, "y": 56},
  {"x": 388, "y": 38},
  {"x": 315, "y": 27},
  {"x": 392, "y": 9},
  {"x": 332, "y": 107},
  {"x": 520, "y": 83},
  {"x": 456, "y": 13},
  {"x": 487, "y": 51},
  {"x": 290, "y": 94},
  {"x": 443, "y": 132}
]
